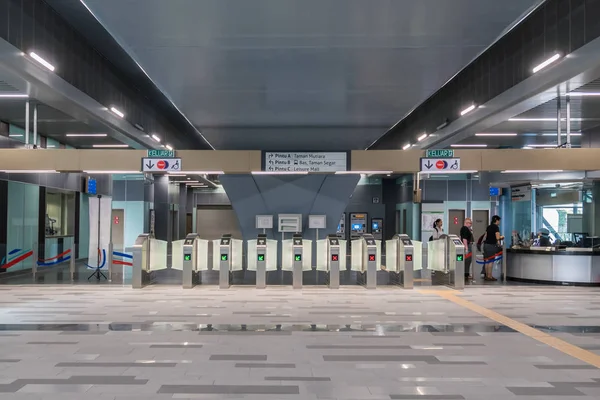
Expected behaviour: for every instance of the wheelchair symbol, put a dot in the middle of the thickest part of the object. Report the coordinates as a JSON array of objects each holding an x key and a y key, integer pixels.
[
  {"x": 176, "y": 166},
  {"x": 455, "y": 165}
]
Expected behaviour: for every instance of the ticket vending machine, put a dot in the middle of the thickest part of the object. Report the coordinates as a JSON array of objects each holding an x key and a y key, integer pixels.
[
  {"x": 190, "y": 261},
  {"x": 341, "y": 229},
  {"x": 377, "y": 228},
  {"x": 405, "y": 259},
  {"x": 261, "y": 261},
  {"x": 370, "y": 261},
  {"x": 297, "y": 248},
  {"x": 333, "y": 261},
  {"x": 358, "y": 225},
  {"x": 225, "y": 255},
  {"x": 456, "y": 262}
]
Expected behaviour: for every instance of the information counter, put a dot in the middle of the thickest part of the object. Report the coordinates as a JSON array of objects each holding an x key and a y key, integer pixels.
[{"x": 574, "y": 266}]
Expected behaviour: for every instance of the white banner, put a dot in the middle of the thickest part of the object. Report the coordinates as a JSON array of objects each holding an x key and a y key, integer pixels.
[{"x": 100, "y": 212}]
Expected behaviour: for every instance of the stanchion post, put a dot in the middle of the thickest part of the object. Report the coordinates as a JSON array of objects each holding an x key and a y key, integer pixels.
[
  {"x": 504, "y": 261},
  {"x": 109, "y": 260},
  {"x": 34, "y": 259},
  {"x": 72, "y": 262}
]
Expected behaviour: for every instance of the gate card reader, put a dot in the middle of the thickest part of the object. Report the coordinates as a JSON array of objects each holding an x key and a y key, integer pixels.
[
  {"x": 456, "y": 260},
  {"x": 261, "y": 261},
  {"x": 190, "y": 261},
  {"x": 297, "y": 248},
  {"x": 224, "y": 261},
  {"x": 333, "y": 261},
  {"x": 405, "y": 257},
  {"x": 370, "y": 253}
]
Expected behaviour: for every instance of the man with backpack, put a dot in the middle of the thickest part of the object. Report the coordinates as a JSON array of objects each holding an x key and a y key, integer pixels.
[{"x": 466, "y": 236}]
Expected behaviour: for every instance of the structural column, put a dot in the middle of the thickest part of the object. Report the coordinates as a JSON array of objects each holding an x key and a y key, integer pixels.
[{"x": 162, "y": 219}]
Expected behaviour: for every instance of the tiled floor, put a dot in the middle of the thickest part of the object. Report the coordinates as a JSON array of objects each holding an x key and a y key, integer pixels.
[{"x": 107, "y": 342}]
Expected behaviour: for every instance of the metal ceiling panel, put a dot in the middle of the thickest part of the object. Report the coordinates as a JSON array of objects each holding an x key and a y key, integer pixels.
[{"x": 234, "y": 66}]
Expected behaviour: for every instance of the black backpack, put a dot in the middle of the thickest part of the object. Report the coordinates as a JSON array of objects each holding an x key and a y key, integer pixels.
[{"x": 480, "y": 242}]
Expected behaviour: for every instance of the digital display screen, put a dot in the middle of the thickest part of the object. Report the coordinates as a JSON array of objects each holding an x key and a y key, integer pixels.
[
  {"x": 494, "y": 191},
  {"x": 356, "y": 227},
  {"x": 224, "y": 257},
  {"x": 187, "y": 257},
  {"x": 371, "y": 257},
  {"x": 298, "y": 257},
  {"x": 375, "y": 225},
  {"x": 335, "y": 257},
  {"x": 460, "y": 257},
  {"x": 260, "y": 257},
  {"x": 409, "y": 257}
]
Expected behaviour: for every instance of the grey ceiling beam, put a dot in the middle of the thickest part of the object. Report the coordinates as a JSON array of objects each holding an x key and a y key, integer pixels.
[
  {"x": 573, "y": 71},
  {"x": 48, "y": 88}
]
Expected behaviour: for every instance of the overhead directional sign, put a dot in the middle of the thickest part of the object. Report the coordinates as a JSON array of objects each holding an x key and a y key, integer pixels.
[
  {"x": 161, "y": 153},
  {"x": 440, "y": 164},
  {"x": 161, "y": 164},
  {"x": 305, "y": 162},
  {"x": 440, "y": 153}
]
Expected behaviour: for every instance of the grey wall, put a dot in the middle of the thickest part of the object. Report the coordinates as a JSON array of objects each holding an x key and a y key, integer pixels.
[
  {"x": 253, "y": 195},
  {"x": 161, "y": 207}
]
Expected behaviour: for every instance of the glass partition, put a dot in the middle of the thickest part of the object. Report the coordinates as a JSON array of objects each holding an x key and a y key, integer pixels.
[{"x": 60, "y": 213}]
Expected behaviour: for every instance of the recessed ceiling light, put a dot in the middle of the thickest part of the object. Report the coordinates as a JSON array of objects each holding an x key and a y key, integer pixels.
[
  {"x": 110, "y": 145},
  {"x": 155, "y": 137},
  {"x": 42, "y": 61},
  {"x": 422, "y": 137},
  {"x": 13, "y": 96},
  {"x": 542, "y": 119},
  {"x": 542, "y": 146},
  {"x": 169, "y": 147},
  {"x": 562, "y": 134},
  {"x": 16, "y": 135},
  {"x": 468, "y": 109},
  {"x": 86, "y": 135},
  {"x": 541, "y": 171},
  {"x": 495, "y": 134},
  {"x": 583, "y": 94},
  {"x": 468, "y": 145},
  {"x": 549, "y": 61},
  {"x": 118, "y": 112},
  {"x": 406, "y": 146}
]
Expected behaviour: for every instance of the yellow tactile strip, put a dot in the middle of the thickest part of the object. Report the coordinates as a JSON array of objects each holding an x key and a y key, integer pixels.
[{"x": 554, "y": 342}]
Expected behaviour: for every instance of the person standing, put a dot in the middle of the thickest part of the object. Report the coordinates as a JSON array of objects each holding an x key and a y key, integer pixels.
[
  {"x": 437, "y": 229},
  {"x": 466, "y": 236},
  {"x": 491, "y": 246}
]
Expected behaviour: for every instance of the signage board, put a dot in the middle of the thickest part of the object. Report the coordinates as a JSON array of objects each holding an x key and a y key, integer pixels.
[
  {"x": 520, "y": 193},
  {"x": 161, "y": 153},
  {"x": 439, "y": 153},
  {"x": 305, "y": 162},
  {"x": 161, "y": 164},
  {"x": 440, "y": 164}
]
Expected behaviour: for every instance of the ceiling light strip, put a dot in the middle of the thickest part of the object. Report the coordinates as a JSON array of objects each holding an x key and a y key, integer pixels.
[
  {"x": 39, "y": 59},
  {"x": 549, "y": 61},
  {"x": 468, "y": 109}
]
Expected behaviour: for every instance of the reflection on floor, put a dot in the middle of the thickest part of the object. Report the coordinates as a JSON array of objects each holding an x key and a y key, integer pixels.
[{"x": 109, "y": 342}]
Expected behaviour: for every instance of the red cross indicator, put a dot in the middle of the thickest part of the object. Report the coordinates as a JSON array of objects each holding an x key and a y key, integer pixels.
[
  {"x": 371, "y": 257},
  {"x": 334, "y": 257},
  {"x": 409, "y": 257}
]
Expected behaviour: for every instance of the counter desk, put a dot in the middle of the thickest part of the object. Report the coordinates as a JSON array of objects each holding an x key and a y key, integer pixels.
[{"x": 571, "y": 266}]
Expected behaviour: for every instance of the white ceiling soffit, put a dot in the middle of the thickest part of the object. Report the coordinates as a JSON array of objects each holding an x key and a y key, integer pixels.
[
  {"x": 24, "y": 75},
  {"x": 236, "y": 67}
]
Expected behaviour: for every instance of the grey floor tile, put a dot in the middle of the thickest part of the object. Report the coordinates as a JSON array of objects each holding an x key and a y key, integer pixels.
[
  {"x": 298, "y": 378},
  {"x": 426, "y": 397},
  {"x": 540, "y": 391},
  {"x": 565, "y": 366},
  {"x": 238, "y": 357},
  {"x": 265, "y": 365},
  {"x": 230, "y": 389}
]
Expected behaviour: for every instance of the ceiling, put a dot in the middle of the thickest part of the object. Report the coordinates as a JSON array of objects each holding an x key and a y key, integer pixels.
[
  {"x": 302, "y": 74},
  {"x": 54, "y": 124},
  {"x": 538, "y": 126}
]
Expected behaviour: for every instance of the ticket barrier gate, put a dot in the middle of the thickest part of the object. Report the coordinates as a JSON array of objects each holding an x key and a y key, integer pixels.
[
  {"x": 455, "y": 262},
  {"x": 370, "y": 261},
  {"x": 297, "y": 250},
  {"x": 190, "y": 260},
  {"x": 400, "y": 258},
  {"x": 261, "y": 261},
  {"x": 333, "y": 261},
  {"x": 141, "y": 261},
  {"x": 225, "y": 255}
]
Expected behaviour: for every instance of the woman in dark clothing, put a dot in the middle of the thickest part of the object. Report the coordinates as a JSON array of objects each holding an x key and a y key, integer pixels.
[{"x": 491, "y": 246}]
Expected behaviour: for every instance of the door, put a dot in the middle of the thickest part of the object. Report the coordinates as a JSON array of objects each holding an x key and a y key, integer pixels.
[
  {"x": 481, "y": 220},
  {"x": 118, "y": 229},
  {"x": 189, "y": 224},
  {"x": 456, "y": 219}
]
